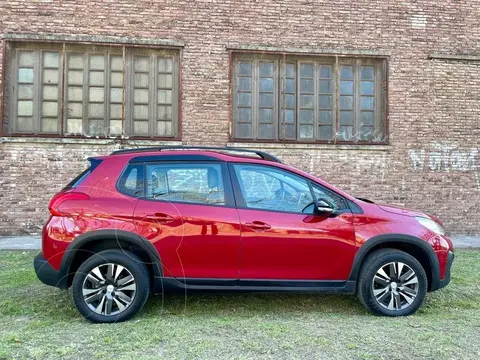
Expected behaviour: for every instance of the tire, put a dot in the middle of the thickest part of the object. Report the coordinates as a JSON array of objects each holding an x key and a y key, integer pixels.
[
  {"x": 111, "y": 286},
  {"x": 403, "y": 294}
]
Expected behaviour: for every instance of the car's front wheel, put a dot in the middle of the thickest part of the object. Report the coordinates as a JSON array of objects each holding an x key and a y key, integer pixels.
[
  {"x": 392, "y": 283},
  {"x": 111, "y": 286}
]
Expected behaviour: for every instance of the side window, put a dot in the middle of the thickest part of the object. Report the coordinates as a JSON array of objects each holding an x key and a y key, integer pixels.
[
  {"x": 131, "y": 182},
  {"x": 191, "y": 183},
  {"x": 337, "y": 201},
  {"x": 267, "y": 188}
]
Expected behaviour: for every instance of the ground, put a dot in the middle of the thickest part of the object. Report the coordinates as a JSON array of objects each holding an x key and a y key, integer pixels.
[{"x": 37, "y": 321}]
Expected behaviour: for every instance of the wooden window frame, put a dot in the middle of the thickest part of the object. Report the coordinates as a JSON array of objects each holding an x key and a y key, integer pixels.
[
  {"x": 10, "y": 69},
  {"x": 380, "y": 95}
]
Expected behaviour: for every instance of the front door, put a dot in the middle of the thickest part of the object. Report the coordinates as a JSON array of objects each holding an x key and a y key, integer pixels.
[
  {"x": 281, "y": 236},
  {"x": 189, "y": 215}
]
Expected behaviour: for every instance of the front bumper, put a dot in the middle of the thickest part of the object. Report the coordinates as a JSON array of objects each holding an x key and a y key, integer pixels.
[
  {"x": 446, "y": 280},
  {"x": 46, "y": 273}
]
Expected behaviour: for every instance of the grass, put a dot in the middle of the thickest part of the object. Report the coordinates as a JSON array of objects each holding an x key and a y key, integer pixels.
[{"x": 40, "y": 322}]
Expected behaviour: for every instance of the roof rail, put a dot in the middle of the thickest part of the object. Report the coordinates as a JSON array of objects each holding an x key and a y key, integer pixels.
[{"x": 261, "y": 154}]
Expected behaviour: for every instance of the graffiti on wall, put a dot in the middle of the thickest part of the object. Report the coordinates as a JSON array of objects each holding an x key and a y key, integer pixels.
[{"x": 447, "y": 158}]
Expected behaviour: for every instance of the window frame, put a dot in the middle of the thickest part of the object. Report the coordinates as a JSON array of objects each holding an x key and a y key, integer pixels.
[
  {"x": 10, "y": 69},
  {"x": 381, "y": 95}
]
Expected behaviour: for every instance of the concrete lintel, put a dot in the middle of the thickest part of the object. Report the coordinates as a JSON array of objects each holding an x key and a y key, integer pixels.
[
  {"x": 310, "y": 51},
  {"x": 459, "y": 57}
]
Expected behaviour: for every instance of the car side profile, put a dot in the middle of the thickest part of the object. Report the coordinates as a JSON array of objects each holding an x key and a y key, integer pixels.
[{"x": 145, "y": 221}]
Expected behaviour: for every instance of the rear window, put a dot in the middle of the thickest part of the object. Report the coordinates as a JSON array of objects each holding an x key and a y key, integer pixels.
[
  {"x": 83, "y": 175},
  {"x": 131, "y": 182}
]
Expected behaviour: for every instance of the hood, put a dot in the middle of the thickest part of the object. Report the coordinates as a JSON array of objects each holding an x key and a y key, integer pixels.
[{"x": 400, "y": 210}]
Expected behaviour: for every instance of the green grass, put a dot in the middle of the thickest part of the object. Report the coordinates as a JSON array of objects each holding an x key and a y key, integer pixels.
[{"x": 40, "y": 322}]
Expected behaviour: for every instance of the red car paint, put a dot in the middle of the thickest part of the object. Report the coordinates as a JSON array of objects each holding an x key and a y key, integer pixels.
[{"x": 202, "y": 241}]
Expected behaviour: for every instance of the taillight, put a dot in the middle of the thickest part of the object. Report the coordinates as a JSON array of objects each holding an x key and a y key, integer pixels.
[{"x": 58, "y": 199}]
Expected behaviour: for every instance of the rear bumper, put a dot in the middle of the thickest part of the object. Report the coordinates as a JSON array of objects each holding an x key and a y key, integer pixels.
[
  {"x": 446, "y": 280},
  {"x": 46, "y": 273}
]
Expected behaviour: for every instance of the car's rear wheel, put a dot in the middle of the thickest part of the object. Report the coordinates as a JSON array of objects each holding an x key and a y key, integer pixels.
[
  {"x": 392, "y": 283},
  {"x": 111, "y": 286}
]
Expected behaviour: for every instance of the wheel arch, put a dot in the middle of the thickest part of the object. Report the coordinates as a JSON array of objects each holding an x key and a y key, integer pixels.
[
  {"x": 412, "y": 245},
  {"x": 92, "y": 242}
]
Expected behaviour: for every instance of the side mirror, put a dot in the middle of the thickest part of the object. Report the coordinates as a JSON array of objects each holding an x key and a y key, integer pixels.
[{"x": 323, "y": 206}]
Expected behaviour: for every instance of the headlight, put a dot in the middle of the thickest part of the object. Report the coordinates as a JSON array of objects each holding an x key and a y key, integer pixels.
[{"x": 430, "y": 225}]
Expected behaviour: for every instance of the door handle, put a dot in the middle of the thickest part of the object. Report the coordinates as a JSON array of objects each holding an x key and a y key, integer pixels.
[
  {"x": 258, "y": 225},
  {"x": 160, "y": 218}
]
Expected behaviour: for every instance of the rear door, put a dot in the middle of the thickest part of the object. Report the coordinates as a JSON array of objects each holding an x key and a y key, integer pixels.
[{"x": 187, "y": 211}]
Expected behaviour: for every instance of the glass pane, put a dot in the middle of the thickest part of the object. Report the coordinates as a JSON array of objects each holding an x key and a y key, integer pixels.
[
  {"x": 115, "y": 127},
  {"x": 49, "y": 125},
  {"x": 306, "y": 86},
  {"x": 97, "y": 62},
  {"x": 50, "y": 92},
  {"x": 325, "y": 102},
  {"x": 325, "y": 117},
  {"x": 164, "y": 113},
  {"x": 24, "y": 124},
  {"x": 265, "y": 131},
  {"x": 165, "y": 81},
  {"x": 346, "y": 117},
  {"x": 289, "y": 116},
  {"x": 165, "y": 65},
  {"x": 141, "y": 80},
  {"x": 75, "y": 93},
  {"x": 346, "y": 133},
  {"x": 95, "y": 127},
  {"x": 96, "y": 94},
  {"x": 290, "y": 71},
  {"x": 244, "y": 114},
  {"x": 50, "y": 108},
  {"x": 244, "y": 84},
  {"x": 141, "y": 63},
  {"x": 266, "y": 100},
  {"x": 116, "y": 63},
  {"x": 290, "y": 85},
  {"x": 290, "y": 101},
  {"x": 140, "y": 112},
  {"x": 115, "y": 111},
  {"x": 306, "y": 70},
  {"x": 306, "y": 131},
  {"x": 164, "y": 96},
  {"x": 366, "y": 118},
  {"x": 51, "y": 59},
  {"x": 325, "y": 86},
  {"x": 243, "y": 131},
  {"x": 25, "y": 91},
  {"x": 266, "y": 84},
  {"x": 75, "y": 61},
  {"x": 367, "y": 72},
  {"x": 140, "y": 127},
  {"x": 75, "y": 110},
  {"x": 96, "y": 110},
  {"x": 265, "y": 115},
  {"x": 325, "y": 72},
  {"x": 26, "y": 58},
  {"x": 164, "y": 128},
  {"x": 25, "y": 75},
  {"x": 346, "y": 87},
  {"x": 74, "y": 126},
  {"x": 325, "y": 132},
  {"x": 306, "y": 101},
  {"x": 75, "y": 77},
  {"x": 346, "y": 72},
  {"x": 366, "y": 103},
  {"x": 244, "y": 99},
  {"x": 266, "y": 69},
  {"x": 25, "y": 108},
  {"x": 116, "y": 95},
  {"x": 366, "y": 133},
  {"x": 346, "y": 102},
  {"x": 96, "y": 78},
  {"x": 116, "y": 79},
  {"x": 245, "y": 68},
  {"x": 289, "y": 132},
  {"x": 366, "y": 88},
  {"x": 306, "y": 116},
  {"x": 140, "y": 96},
  {"x": 50, "y": 76}
]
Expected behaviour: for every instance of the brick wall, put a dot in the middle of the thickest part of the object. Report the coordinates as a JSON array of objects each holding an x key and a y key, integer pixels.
[{"x": 431, "y": 163}]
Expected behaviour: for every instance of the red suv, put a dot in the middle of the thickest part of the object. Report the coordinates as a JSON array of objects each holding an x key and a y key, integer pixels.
[{"x": 142, "y": 221}]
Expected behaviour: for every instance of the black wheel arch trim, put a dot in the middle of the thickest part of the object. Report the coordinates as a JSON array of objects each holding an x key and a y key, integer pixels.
[
  {"x": 107, "y": 234},
  {"x": 397, "y": 238}
]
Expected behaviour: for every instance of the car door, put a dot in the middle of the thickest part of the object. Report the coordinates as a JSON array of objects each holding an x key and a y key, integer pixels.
[
  {"x": 188, "y": 213},
  {"x": 281, "y": 236}
]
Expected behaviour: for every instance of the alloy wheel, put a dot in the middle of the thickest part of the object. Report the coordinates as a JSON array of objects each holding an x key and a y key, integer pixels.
[
  {"x": 109, "y": 289},
  {"x": 395, "y": 286}
]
